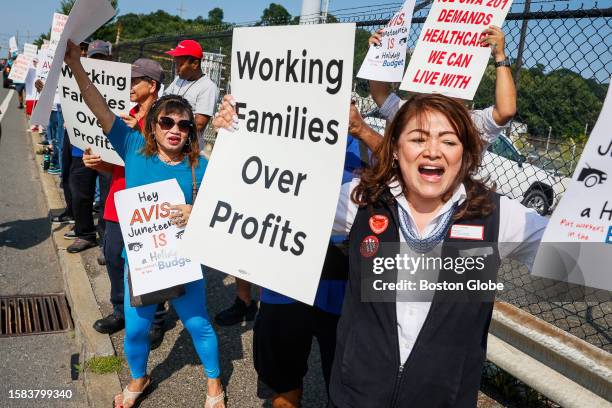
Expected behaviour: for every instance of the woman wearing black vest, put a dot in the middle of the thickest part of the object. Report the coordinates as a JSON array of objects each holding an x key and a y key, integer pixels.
[{"x": 395, "y": 350}]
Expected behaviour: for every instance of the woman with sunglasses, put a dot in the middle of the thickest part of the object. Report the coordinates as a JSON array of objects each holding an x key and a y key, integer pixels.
[{"x": 168, "y": 149}]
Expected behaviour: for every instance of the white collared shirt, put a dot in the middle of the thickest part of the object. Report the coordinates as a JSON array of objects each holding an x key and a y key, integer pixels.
[{"x": 520, "y": 232}]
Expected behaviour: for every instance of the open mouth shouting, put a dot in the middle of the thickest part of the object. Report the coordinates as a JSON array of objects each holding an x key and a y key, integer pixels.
[{"x": 431, "y": 173}]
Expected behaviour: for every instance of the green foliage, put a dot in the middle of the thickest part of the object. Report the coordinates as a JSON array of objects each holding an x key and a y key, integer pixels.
[
  {"x": 275, "y": 14},
  {"x": 361, "y": 49},
  {"x": 215, "y": 16},
  {"x": 101, "y": 365},
  {"x": 561, "y": 99}
]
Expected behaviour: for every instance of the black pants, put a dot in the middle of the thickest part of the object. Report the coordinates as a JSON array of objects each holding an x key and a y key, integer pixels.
[
  {"x": 282, "y": 337},
  {"x": 113, "y": 247},
  {"x": 83, "y": 188},
  {"x": 105, "y": 182}
]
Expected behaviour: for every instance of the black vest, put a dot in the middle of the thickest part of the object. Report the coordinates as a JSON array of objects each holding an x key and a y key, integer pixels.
[{"x": 445, "y": 365}]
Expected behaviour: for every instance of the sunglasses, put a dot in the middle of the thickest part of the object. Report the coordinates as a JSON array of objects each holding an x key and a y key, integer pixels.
[{"x": 166, "y": 123}]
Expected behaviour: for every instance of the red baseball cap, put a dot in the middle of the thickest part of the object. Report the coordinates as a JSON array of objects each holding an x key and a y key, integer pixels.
[{"x": 187, "y": 48}]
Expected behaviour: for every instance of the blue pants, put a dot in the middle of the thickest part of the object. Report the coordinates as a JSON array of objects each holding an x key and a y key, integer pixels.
[
  {"x": 191, "y": 308},
  {"x": 55, "y": 134}
]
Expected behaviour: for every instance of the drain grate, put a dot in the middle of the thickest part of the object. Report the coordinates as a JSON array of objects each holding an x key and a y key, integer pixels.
[{"x": 23, "y": 315}]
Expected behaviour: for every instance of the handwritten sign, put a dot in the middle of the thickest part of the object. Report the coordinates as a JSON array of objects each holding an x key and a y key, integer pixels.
[
  {"x": 151, "y": 240},
  {"x": 19, "y": 70},
  {"x": 57, "y": 26},
  {"x": 449, "y": 58},
  {"x": 385, "y": 62},
  {"x": 272, "y": 186},
  {"x": 113, "y": 81},
  {"x": 30, "y": 50},
  {"x": 581, "y": 225}
]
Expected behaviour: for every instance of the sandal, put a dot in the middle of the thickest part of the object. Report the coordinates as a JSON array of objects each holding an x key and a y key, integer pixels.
[
  {"x": 211, "y": 402},
  {"x": 131, "y": 396}
]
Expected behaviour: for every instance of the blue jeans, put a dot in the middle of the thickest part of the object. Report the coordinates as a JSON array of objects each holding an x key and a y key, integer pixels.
[
  {"x": 55, "y": 134},
  {"x": 191, "y": 308}
]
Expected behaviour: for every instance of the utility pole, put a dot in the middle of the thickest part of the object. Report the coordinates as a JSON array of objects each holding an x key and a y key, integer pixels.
[
  {"x": 548, "y": 139},
  {"x": 586, "y": 128},
  {"x": 180, "y": 10},
  {"x": 311, "y": 12}
]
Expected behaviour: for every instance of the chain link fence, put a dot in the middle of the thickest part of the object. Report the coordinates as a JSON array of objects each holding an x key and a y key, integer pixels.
[{"x": 562, "y": 62}]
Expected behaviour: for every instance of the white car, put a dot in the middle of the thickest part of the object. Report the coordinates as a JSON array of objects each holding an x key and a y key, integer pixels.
[{"x": 517, "y": 179}]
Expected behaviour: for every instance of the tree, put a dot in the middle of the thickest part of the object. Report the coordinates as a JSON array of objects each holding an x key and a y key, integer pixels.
[
  {"x": 275, "y": 14},
  {"x": 215, "y": 15}
]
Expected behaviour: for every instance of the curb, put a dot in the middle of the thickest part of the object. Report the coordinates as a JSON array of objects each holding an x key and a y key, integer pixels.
[{"x": 100, "y": 389}]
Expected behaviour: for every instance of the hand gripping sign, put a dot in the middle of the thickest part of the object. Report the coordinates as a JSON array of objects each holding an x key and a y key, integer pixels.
[
  {"x": 113, "y": 81},
  {"x": 272, "y": 186},
  {"x": 386, "y": 62},
  {"x": 449, "y": 58},
  {"x": 151, "y": 240},
  {"x": 577, "y": 244}
]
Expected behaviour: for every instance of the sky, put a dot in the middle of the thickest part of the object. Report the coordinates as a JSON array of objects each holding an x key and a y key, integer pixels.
[{"x": 21, "y": 18}]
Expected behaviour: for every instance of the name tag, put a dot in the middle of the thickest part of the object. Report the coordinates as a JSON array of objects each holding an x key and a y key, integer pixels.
[{"x": 474, "y": 232}]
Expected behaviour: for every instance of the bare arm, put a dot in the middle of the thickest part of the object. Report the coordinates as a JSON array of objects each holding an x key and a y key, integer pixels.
[
  {"x": 359, "y": 129},
  {"x": 94, "y": 100},
  {"x": 505, "y": 91},
  {"x": 201, "y": 121}
]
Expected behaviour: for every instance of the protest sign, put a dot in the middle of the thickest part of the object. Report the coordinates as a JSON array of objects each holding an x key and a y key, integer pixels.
[
  {"x": 31, "y": 92},
  {"x": 272, "y": 186},
  {"x": 57, "y": 26},
  {"x": 19, "y": 70},
  {"x": 45, "y": 45},
  {"x": 13, "y": 45},
  {"x": 449, "y": 58},
  {"x": 113, "y": 81},
  {"x": 386, "y": 61},
  {"x": 45, "y": 58},
  {"x": 576, "y": 246},
  {"x": 30, "y": 50},
  {"x": 151, "y": 240},
  {"x": 86, "y": 16}
]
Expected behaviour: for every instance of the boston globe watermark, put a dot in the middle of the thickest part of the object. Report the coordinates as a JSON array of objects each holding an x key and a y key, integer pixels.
[{"x": 461, "y": 272}]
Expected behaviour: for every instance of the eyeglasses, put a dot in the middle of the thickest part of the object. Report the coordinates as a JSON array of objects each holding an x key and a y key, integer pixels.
[{"x": 167, "y": 123}]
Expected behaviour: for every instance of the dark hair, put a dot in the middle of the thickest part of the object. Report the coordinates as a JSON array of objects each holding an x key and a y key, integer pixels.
[
  {"x": 375, "y": 180},
  {"x": 171, "y": 104}
]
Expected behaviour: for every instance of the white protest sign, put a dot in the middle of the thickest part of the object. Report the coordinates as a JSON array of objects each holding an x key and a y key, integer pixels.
[
  {"x": 85, "y": 17},
  {"x": 272, "y": 186},
  {"x": 449, "y": 58},
  {"x": 57, "y": 26},
  {"x": 113, "y": 81},
  {"x": 151, "y": 240},
  {"x": 45, "y": 58},
  {"x": 20, "y": 67},
  {"x": 13, "y": 45},
  {"x": 30, "y": 50},
  {"x": 45, "y": 45},
  {"x": 31, "y": 92},
  {"x": 386, "y": 61},
  {"x": 577, "y": 243}
]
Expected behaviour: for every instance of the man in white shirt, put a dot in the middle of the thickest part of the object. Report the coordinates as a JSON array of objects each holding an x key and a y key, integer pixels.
[{"x": 192, "y": 84}]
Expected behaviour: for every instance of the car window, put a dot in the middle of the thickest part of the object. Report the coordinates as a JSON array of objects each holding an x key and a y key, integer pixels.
[{"x": 502, "y": 148}]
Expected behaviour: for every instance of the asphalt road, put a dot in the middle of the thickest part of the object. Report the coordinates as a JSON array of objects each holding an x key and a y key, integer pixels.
[{"x": 29, "y": 265}]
